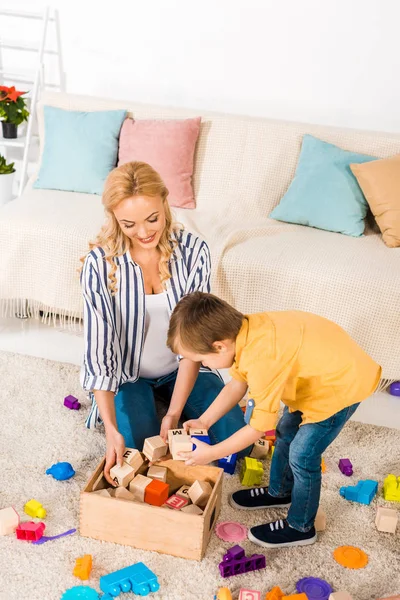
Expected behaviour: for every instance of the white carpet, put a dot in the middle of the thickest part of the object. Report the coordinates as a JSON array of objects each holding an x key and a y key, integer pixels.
[{"x": 37, "y": 431}]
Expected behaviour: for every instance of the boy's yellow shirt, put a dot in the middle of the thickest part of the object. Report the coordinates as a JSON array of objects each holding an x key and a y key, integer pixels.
[{"x": 308, "y": 362}]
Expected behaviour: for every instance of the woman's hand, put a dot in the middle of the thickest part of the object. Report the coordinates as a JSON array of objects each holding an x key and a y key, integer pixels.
[
  {"x": 168, "y": 422},
  {"x": 202, "y": 455},
  {"x": 114, "y": 452},
  {"x": 194, "y": 424}
]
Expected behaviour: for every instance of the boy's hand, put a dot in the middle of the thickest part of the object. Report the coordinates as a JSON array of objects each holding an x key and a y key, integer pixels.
[
  {"x": 195, "y": 424},
  {"x": 168, "y": 422},
  {"x": 202, "y": 455}
]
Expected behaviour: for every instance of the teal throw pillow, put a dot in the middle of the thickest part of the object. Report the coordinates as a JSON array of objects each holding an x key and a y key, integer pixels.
[
  {"x": 324, "y": 192},
  {"x": 80, "y": 149}
]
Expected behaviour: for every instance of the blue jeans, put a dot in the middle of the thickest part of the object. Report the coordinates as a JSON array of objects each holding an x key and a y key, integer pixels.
[
  {"x": 296, "y": 463},
  {"x": 136, "y": 410}
]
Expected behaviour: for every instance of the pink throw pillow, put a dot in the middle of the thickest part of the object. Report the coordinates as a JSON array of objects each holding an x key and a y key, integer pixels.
[{"x": 168, "y": 146}]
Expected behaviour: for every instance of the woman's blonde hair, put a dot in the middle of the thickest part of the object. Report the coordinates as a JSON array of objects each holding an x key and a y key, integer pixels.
[{"x": 132, "y": 179}]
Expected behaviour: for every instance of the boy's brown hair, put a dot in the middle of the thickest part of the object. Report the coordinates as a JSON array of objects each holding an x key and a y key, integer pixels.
[{"x": 199, "y": 320}]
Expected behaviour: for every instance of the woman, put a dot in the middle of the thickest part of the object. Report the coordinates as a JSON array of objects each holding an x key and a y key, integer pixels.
[{"x": 137, "y": 270}]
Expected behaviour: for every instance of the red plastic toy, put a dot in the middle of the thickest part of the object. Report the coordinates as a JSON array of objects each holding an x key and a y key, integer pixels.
[{"x": 30, "y": 531}]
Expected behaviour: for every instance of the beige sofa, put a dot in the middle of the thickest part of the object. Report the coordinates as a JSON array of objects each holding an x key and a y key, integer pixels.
[{"x": 243, "y": 166}]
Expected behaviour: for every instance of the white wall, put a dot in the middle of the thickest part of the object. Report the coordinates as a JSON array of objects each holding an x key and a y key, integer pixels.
[{"x": 334, "y": 62}]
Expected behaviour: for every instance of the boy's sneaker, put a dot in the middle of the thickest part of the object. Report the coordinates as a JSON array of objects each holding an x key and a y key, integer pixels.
[
  {"x": 279, "y": 534},
  {"x": 254, "y": 498}
]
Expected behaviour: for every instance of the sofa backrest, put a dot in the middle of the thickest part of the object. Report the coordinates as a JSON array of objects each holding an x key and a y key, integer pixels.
[{"x": 243, "y": 165}]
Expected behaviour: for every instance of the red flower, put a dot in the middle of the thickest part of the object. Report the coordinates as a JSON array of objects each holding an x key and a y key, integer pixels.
[{"x": 9, "y": 93}]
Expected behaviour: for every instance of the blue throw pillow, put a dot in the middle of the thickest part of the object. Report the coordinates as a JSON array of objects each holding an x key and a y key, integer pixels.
[
  {"x": 80, "y": 149},
  {"x": 324, "y": 192}
]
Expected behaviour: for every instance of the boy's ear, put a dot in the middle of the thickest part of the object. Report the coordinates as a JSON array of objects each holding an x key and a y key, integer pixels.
[{"x": 219, "y": 346}]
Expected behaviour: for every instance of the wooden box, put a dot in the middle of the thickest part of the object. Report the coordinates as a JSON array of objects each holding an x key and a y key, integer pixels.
[{"x": 150, "y": 527}]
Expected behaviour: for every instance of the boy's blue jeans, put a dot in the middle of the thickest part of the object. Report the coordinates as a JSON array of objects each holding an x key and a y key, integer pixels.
[
  {"x": 296, "y": 463},
  {"x": 136, "y": 410}
]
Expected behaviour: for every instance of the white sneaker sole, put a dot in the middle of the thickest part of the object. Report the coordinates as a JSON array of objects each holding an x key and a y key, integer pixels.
[
  {"x": 307, "y": 542},
  {"x": 239, "y": 507}
]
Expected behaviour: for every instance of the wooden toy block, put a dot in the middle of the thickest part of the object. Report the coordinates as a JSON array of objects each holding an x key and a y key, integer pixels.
[
  {"x": 83, "y": 566},
  {"x": 199, "y": 492},
  {"x": 275, "y": 594},
  {"x": 174, "y": 433},
  {"x": 133, "y": 458},
  {"x": 194, "y": 431},
  {"x": 138, "y": 487},
  {"x": 122, "y": 475},
  {"x": 260, "y": 449},
  {"x": 192, "y": 509},
  {"x": 123, "y": 494},
  {"x": 340, "y": 596},
  {"x": 176, "y": 502},
  {"x": 159, "y": 473},
  {"x": 181, "y": 444},
  {"x": 183, "y": 492},
  {"x": 249, "y": 595},
  {"x": 34, "y": 509},
  {"x": 386, "y": 519},
  {"x": 9, "y": 520},
  {"x": 391, "y": 488},
  {"x": 154, "y": 448},
  {"x": 104, "y": 493},
  {"x": 251, "y": 472},
  {"x": 320, "y": 520},
  {"x": 323, "y": 466},
  {"x": 156, "y": 493}
]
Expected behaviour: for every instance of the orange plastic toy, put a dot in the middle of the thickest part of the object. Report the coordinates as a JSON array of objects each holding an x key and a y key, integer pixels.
[
  {"x": 83, "y": 566},
  {"x": 301, "y": 596},
  {"x": 275, "y": 594},
  {"x": 350, "y": 557},
  {"x": 156, "y": 493},
  {"x": 323, "y": 466}
]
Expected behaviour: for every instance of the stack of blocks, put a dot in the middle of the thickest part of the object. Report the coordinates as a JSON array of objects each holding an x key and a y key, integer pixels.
[
  {"x": 252, "y": 472},
  {"x": 149, "y": 484}
]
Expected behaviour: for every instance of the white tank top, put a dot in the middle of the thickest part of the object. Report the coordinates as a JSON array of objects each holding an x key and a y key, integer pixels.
[{"x": 157, "y": 359}]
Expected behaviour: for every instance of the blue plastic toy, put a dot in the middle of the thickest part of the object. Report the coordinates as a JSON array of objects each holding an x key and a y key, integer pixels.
[
  {"x": 137, "y": 579},
  {"x": 61, "y": 471},
  {"x": 395, "y": 388},
  {"x": 202, "y": 438},
  {"x": 228, "y": 463},
  {"x": 80, "y": 592},
  {"x": 363, "y": 492}
]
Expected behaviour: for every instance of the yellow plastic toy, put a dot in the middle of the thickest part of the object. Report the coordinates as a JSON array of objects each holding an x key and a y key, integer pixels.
[
  {"x": 391, "y": 488},
  {"x": 252, "y": 472},
  {"x": 34, "y": 509},
  {"x": 223, "y": 594}
]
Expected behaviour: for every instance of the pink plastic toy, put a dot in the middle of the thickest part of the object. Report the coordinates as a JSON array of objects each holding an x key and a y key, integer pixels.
[
  {"x": 30, "y": 531},
  {"x": 72, "y": 403}
]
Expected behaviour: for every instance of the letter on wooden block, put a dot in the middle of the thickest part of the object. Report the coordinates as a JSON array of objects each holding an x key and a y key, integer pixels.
[
  {"x": 183, "y": 492},
  {"x": 154, "y": 448},
  {"x": 138, "y": 486},
  {"x": 159, "y": 473},
  {"x": 192, "y": 509},
  {"x": 122, "y": 475},
  {"x": 133, "y": 458},
  {"x": 200, "y": 492},
  {"x": 320, "y": 520},
  {"x": 176, "y": 502},
  {"x": 123, "y": 494},
  {"x": 260, "y": 449},
  {"x": 181, "y": 444},
  {"x": 194, "y": 431},
  {"x": 249, "y": 595},
  {"x": 386, "y": 519},
  {"x": 9, "y": 520},
  {"x": 173, "y": 433}
]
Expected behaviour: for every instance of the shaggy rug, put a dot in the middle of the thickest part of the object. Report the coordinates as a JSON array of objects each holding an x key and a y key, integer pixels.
[{"x": 37, "y": 431}]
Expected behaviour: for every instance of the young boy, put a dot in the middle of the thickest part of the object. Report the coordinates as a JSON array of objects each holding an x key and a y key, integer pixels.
[{"x": 309, "y": 363}]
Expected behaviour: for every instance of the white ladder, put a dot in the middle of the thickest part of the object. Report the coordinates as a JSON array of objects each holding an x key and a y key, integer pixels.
[{"x": 35, "y": 76}]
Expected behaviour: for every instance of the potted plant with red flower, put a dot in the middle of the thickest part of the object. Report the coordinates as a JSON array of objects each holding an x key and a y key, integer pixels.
[{"x": 13, "y": 110}]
